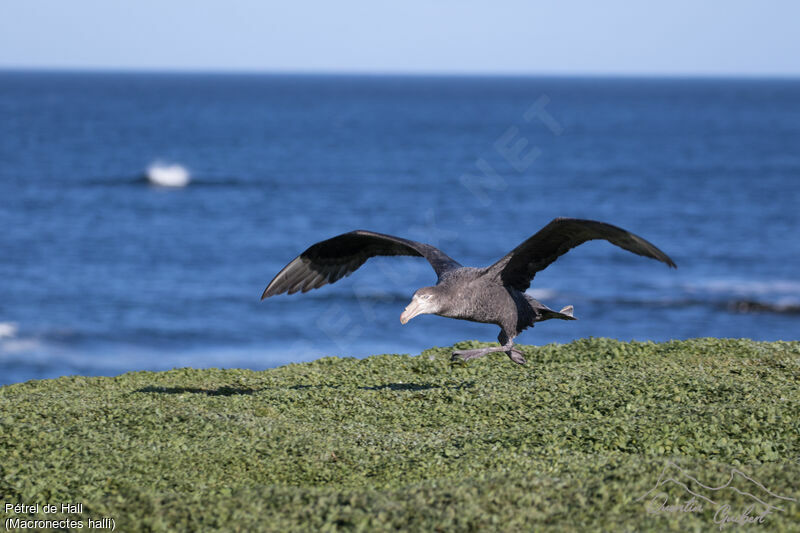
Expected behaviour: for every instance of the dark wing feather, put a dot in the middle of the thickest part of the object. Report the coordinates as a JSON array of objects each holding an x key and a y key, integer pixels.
[
  {"x": 332, "y": 259},
  {"x": 518, "y": 268}
]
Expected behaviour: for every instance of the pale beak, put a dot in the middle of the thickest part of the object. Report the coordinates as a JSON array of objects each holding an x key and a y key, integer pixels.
[{"x": 412, "y": 310}]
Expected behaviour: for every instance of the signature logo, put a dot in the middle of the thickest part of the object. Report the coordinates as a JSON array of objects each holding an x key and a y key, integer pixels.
[{"x": 759, "y": 500}]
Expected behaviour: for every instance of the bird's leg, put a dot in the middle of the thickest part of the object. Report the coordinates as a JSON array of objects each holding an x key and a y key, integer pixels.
[
  {"x": 466, "y": 355},
  {"x": 508, "y": 347}
]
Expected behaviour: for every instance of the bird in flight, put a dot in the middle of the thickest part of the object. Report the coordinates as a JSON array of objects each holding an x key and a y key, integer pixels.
[{"x": 494, "y": 294}]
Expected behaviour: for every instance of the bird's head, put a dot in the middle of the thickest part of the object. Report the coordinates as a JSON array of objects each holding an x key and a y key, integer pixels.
[{"x": 425, "y": 301}]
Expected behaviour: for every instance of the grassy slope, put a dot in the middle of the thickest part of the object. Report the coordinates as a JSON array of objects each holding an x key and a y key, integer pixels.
[{"x": 572, "y": 439}]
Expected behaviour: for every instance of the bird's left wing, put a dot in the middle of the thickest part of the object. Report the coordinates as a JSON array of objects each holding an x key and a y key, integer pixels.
[
  {"x": 519, "y": 266},
  {"x": 330, "y": 260}
]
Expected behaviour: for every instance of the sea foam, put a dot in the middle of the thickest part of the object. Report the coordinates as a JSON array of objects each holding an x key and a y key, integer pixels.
[
  {"x": 777, "y": 287},
  {"x": 8, "y": 330}
]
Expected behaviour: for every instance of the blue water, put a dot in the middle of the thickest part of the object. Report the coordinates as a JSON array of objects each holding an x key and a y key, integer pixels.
[{"x": 101, "y": 272}]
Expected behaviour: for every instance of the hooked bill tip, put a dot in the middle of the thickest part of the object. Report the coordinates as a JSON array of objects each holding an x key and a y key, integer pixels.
[{"x": 406, "y": 316}]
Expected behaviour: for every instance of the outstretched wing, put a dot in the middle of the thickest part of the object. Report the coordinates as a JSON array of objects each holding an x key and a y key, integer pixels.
[
  {"x": 331, "y": 260},
  {"x": 518, "y": 268}
]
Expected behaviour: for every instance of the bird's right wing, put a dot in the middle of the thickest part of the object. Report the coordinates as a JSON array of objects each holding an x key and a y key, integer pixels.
[
  {"x": 519, "y": 266},
  {"x": 330, "y": 260}
]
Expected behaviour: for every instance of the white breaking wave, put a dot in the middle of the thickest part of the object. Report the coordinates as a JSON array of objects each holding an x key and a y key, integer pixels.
[
  {"x": 19, "y": 346},
  {"x": 747, "y": 287},
  {"x": 8, "y": 330},
  {"x": 11, "y": 344},
  {"x": 166, "y": 175},
  {"x": 541, "y": 294}
]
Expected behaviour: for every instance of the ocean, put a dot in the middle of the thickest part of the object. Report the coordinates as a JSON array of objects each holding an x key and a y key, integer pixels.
[{"x": 104, "y": 271}]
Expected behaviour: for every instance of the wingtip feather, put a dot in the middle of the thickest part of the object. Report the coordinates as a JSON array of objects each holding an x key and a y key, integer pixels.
[{"x": 268, "y": 292}]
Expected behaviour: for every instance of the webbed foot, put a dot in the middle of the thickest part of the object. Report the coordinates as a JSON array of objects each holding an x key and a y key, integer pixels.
[{"x": 516, "y": 356}]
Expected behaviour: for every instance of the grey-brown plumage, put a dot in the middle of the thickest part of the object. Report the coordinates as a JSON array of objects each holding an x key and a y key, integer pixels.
[{"x": 494, "y": 294}]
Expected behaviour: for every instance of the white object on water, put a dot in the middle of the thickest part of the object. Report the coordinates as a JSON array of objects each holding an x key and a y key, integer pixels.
[
  {"x": 7, "y": 330},
  {"x": 165, "y": 175}
]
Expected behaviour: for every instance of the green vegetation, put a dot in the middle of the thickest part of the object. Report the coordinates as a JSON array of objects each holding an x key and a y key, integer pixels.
[{"x": 569, "y": 441}]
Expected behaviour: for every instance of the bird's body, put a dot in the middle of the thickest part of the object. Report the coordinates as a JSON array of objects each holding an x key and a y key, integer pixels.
[
  {"x": 492, "y": 295},
  {"x": 472, "y": 296}
]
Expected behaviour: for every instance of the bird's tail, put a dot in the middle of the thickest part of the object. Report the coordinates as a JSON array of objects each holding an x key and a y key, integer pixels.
[
  {"x": 542, "y": 312},
  {"x": 564, "y": 314}
]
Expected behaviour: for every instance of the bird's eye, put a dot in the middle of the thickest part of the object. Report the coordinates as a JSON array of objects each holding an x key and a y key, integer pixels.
[{"x": 427, "y": 296}]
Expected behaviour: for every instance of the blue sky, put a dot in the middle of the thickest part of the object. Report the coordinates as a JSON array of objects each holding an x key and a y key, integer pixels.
[{"x": 417, "y": 36}]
